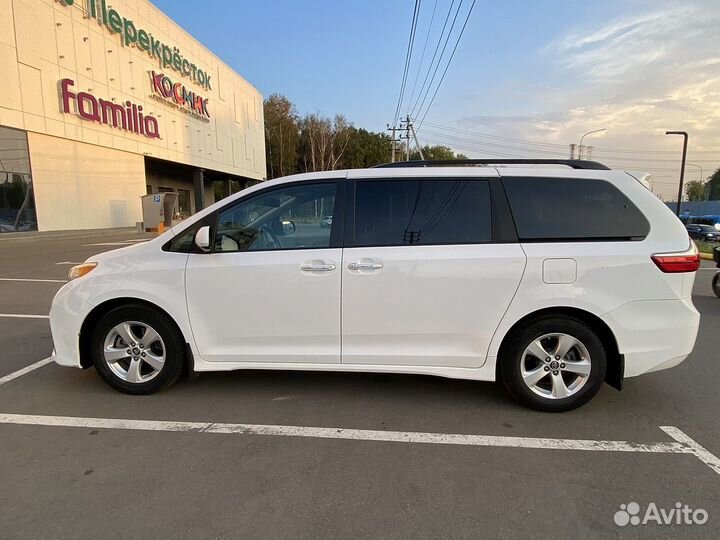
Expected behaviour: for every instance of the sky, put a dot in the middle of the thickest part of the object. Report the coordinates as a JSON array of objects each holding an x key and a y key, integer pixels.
[{"x": 528, "y": 77}]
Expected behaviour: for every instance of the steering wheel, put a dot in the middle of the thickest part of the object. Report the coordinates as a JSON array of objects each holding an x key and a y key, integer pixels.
[{"x": 268, "y": 238}]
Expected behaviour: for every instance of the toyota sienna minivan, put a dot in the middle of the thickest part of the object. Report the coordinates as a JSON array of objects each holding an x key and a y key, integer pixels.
[{"x": 550, "y": 276}]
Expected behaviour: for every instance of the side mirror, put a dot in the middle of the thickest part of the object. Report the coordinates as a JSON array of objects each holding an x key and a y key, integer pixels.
[
  {"x": 202, "y": 238},
  {"x": 288, "y": 227}
]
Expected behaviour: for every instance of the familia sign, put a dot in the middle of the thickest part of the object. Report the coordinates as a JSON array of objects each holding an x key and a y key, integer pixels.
[
  {"x": 167, "y": 57},
  {"x": 128, "y": 117},
  {"x": 178, "y": 96}
]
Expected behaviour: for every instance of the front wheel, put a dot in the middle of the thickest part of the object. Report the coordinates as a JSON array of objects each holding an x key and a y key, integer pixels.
[
  {"x": 716, "y": 284},
  {"x": 137, "y": 349},
  {"x": 554, "y": 364}
]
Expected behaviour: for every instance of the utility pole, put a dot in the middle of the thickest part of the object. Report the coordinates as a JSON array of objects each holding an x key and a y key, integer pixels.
[
  {"x": 417, "y": 144},
  {"x": 406, "y": 125},
  {"x": 394, "y": 141},
  {"x": 682, "y": 166}
]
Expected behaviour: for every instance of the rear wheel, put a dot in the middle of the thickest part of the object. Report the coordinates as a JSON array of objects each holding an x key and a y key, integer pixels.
[
  {"x": 716, "y": 284},
  {"x": 554, "y": 364},
  {"x": 137, "y": 349}
]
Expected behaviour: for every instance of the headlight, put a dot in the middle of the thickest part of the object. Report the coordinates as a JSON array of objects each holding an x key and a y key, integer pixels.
[{"x": 81, "y": 269}]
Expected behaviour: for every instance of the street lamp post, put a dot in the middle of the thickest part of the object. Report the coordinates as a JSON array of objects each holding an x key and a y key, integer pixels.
[
  {"x": 581, "y": 153},
  {"x": 701, "y": 173},
  {"x": 699, "y": 167},
  {"x": 682, "y": 166}
]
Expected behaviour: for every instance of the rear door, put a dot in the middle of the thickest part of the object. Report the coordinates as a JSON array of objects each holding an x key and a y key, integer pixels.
[{"x": 428, "y": 270}]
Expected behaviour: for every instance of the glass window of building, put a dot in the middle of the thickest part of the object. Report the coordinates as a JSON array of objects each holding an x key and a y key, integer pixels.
[{"x": 17, "y": 203}]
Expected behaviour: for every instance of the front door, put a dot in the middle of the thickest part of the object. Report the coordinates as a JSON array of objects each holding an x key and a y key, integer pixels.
[
  {"x": 270, "y": 290},
  {"x": 423, "y": 283}
]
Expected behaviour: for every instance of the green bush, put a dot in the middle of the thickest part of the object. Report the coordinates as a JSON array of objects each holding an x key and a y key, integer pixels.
[{"x": 705, "y": 247}]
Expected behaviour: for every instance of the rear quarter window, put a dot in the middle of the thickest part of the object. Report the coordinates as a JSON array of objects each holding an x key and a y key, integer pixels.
[{"x": 573, "y": 209}]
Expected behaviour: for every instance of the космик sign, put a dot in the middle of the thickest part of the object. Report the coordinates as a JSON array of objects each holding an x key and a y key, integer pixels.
[
  {"x": 167, "y": 57},
  {"x": 174, "y": 93},
  {"x": 129, "y": 117}
]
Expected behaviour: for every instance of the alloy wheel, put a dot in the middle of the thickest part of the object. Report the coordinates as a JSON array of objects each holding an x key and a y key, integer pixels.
[
  {"x": 134, "y": 352},
  {"x": 555, "y": 366}
]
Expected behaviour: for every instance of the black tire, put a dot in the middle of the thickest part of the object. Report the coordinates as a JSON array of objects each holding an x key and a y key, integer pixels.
[
  {"x": 174, "y": 348},
  {"x": 512, "y": 358},
  {"x": 716, "y": 284}
]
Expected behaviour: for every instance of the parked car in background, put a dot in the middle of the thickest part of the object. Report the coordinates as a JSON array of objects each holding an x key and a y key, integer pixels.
[
  {"x": 550, "y": 279},
  {"x": 706, "y": 233}
]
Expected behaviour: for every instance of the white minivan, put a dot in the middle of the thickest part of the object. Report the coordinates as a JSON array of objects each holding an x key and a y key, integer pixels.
[{"x": 551, "y": 276}]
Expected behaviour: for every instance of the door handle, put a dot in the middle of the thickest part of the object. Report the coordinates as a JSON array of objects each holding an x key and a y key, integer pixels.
[
  {"x": 365, "y": 266},
  {"x": 318, "y": 267}
]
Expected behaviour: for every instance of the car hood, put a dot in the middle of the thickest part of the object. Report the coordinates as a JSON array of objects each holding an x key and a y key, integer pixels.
[{"x": 132, "y": 250}]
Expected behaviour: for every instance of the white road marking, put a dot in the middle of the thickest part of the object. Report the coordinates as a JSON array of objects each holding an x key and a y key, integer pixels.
[
  {"x": 68, "y": 262},
  {"x": 34, "y": 280},
  {"x": 120, "y": 243},
  {"x": 711, "y": 460},
  {"x": 20, "y": 316},
  {"x": 685, "y": 444},
  {"x": 20, "y": 372}
]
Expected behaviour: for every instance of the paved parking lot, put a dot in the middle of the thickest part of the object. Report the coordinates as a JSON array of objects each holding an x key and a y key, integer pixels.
[{"x": 405, "y": 456}]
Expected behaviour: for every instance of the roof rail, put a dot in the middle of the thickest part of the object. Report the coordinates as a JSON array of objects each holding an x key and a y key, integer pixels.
[{"x": 573, "y": 163}]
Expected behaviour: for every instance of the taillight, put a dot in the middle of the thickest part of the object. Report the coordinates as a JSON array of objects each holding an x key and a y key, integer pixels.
[{"x": 673, "y": 263}]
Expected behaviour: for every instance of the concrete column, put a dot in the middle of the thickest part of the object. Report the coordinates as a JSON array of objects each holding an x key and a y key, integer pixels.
[{"x": 199, "y": 188}]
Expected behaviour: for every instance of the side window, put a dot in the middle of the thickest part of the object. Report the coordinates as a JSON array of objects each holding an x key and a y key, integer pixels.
[
  {"x": 422, "y": 212},
  {"x": 182, "y": 243},
  {"x": 292, "y": 217},
  {"x": 573, "y": 209}
]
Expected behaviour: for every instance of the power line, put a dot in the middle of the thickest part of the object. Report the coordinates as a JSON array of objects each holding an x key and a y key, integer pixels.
[
  {"x": 555, "y": 153},
  {"x": 452, "y": 55},
  {"x": 646, "y": 151},
  {"x": 422, "y": 56},
  {"x": 487, "y": 135},
  {"x": 408, "y": 58},
  {"x": 439, "y": 59},
  {"x": 563, "y": 147}
]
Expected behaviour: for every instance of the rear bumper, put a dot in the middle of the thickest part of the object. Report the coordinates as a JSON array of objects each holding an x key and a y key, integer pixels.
[{"x": 654, "y": 334}]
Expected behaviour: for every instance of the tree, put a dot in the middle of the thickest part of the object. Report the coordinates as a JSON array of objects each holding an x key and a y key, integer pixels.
[
  {"x": 366, "y": 149},
  {"x": 282, "y": 134},
  {"x": 695, "y": 190},
  {"x": 437, "y": 152},
  {"x": 323, "y": 142},
  {"x": 714, "y": 186}
]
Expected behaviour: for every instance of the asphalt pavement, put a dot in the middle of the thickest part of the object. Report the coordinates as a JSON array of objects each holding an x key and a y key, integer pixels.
[{"x": 158, "y": 479}]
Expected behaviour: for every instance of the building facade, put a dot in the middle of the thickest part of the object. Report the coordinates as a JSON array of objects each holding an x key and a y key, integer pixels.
[{"x": 104, "y": 103}]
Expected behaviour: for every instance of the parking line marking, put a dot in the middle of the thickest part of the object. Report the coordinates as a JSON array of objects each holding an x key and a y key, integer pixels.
[
  {"x": 27, "y": 369},
  {"x": 68, "y": 262},
  {"x": 20, "y": 316},
  {"x": 709, "y": 459},
  {"x": 684, "y": 444},
  {"x": 119, "y": 243},
  {"x": 34, "y": 280}
]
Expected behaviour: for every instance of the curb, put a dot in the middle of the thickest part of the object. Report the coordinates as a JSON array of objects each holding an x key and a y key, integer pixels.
[
  {"x": 706, "y": 256},
  {"x": 90, "y": 233}
]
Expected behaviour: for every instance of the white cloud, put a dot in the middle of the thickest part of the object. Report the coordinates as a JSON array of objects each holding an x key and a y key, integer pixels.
[{"x": 636, "y": 76}]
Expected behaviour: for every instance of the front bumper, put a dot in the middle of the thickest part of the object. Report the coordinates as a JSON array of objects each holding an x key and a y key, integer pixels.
[
  {"x": 67, "y": 313},
  {"x": 654, "y": 334}
]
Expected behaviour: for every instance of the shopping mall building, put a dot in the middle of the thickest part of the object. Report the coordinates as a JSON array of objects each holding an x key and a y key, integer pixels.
[{"x": 106, "y": 101}]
